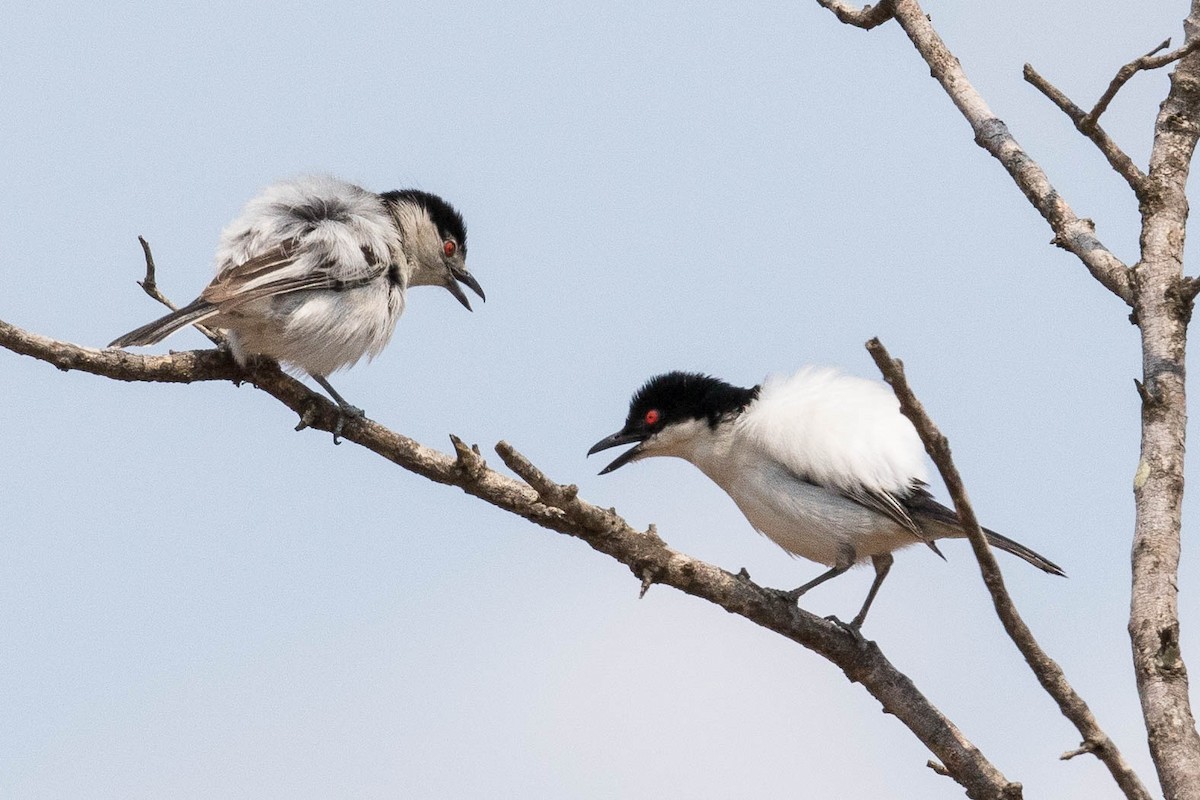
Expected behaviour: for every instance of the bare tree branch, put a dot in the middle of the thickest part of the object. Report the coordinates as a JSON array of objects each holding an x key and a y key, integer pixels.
[
  {"x": 1162, "y": 309},
  {"x": 1070, "y": 232},
  {"x": 1117, "y": 158},
  {"x": 1148, "y": 61},
  {"x": 866, "y": 18},
  {"x": 558, "y": 508},
  {"x": 1047, "y": 671}
]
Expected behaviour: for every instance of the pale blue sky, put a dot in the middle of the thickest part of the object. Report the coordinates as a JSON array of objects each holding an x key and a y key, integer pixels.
[{"x": 195, "y": 601}]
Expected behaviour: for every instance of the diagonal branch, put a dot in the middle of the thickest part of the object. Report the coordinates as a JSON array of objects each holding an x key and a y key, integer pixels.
[
  {"x": 1118, "y": 159},
  {"x": 558, "y": 508},
  {"x": 1047, "y": 671},
  {"x": 1070, "y": 231}
]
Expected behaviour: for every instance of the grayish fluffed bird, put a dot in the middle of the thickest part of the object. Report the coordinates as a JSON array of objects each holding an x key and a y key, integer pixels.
[
  {"x": 314, "y": 274},
  {"x": 822, "y": 463}
]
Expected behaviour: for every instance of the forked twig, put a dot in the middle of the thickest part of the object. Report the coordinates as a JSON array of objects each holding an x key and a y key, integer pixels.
[
  {"x": 1146, "y": 62},
  {"x": 1117, "y": 158},
  {"x": 150, "y": 285}
]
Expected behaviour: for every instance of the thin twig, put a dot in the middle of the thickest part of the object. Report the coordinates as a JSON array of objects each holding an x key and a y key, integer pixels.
[
  {"x": 1117, "y": 158},
  {"x": 1047, "y": 671},
  {"x": 1146, "y": 62},
  {"x": 150, "y": 285},
  {"x": 643, "y": 552}
]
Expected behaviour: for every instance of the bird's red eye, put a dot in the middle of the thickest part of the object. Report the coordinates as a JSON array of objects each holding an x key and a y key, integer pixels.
[
  {"x": 449, "y": 247},
  {"x": 652, "y": 416}
]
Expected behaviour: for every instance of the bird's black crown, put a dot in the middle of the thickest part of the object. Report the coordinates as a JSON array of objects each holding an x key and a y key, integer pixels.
[
  {"x": 680, "y": 396},
  {"x": 449, "y": 222}
]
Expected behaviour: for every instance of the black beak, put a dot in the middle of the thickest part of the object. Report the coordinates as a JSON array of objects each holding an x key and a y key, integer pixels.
[
  {"x": 616, "y": 440},
  {"x": 472, "y": 284}
]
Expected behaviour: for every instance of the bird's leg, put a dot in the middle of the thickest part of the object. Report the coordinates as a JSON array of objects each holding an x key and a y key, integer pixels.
[
  {"x": 882, "y": 563},
  {"x": 794, "y": 594},
  {"x": 344, "y": 409}
]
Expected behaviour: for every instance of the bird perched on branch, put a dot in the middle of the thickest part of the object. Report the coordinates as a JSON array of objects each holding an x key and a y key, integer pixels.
[
  {"x": 314, "y": 274},
  {"x": 821, "y": 462}
]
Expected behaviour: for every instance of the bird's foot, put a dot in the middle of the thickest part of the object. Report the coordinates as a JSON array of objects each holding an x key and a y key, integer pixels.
[
  {"x": 790, "y": 595},
  {"x": 345, "y": 412}
]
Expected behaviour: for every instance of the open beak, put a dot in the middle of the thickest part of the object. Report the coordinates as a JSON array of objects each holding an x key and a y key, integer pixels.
[
  {"x": 465, "y": 277},
  {"x": 616, "y": 440}
]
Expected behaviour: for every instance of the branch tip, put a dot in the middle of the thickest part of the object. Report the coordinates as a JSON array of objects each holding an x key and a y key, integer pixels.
[
  {"x": 1086, "y": 747},
  {"x": 647, "y": 581},
  {"x": 1150, "y": 398},
  {"x": 306, "y": 419},
  {"x": 148, "y": 283}
]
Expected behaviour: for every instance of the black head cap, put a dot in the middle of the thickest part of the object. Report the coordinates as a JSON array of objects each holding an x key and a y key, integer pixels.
[
  {"x": 673, "y": 397},
  {"x": 679, "y": 396},
  {"x": 449, "y": 222}
]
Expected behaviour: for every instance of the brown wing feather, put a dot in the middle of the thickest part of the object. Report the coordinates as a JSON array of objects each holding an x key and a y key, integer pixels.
[
  {"x": 228, "y": 290},
  {"x": 232, "y": 280}
]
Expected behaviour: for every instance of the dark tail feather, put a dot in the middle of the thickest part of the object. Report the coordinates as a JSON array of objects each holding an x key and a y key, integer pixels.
[
  {"x": 927, "y": 510},
  {"x": 155, "y": 332},
  {"x": 1021, "y": 551}
]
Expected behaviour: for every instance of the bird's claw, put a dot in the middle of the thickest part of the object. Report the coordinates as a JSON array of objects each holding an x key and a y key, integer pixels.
[
  {"x": 853, "y": 627},
  {"x": 790, "y": 595},
  {"x": 345, "y": 411}
]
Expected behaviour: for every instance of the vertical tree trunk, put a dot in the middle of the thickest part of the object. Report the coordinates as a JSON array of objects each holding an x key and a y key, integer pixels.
[{"x": 1162, "y": 308}]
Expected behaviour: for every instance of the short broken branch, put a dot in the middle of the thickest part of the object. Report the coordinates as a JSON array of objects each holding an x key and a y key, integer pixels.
[
  {"x": 866, "y": 18},
  {"x": 551, "y": 493},
  {"x": 1086, "y": 747}
]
